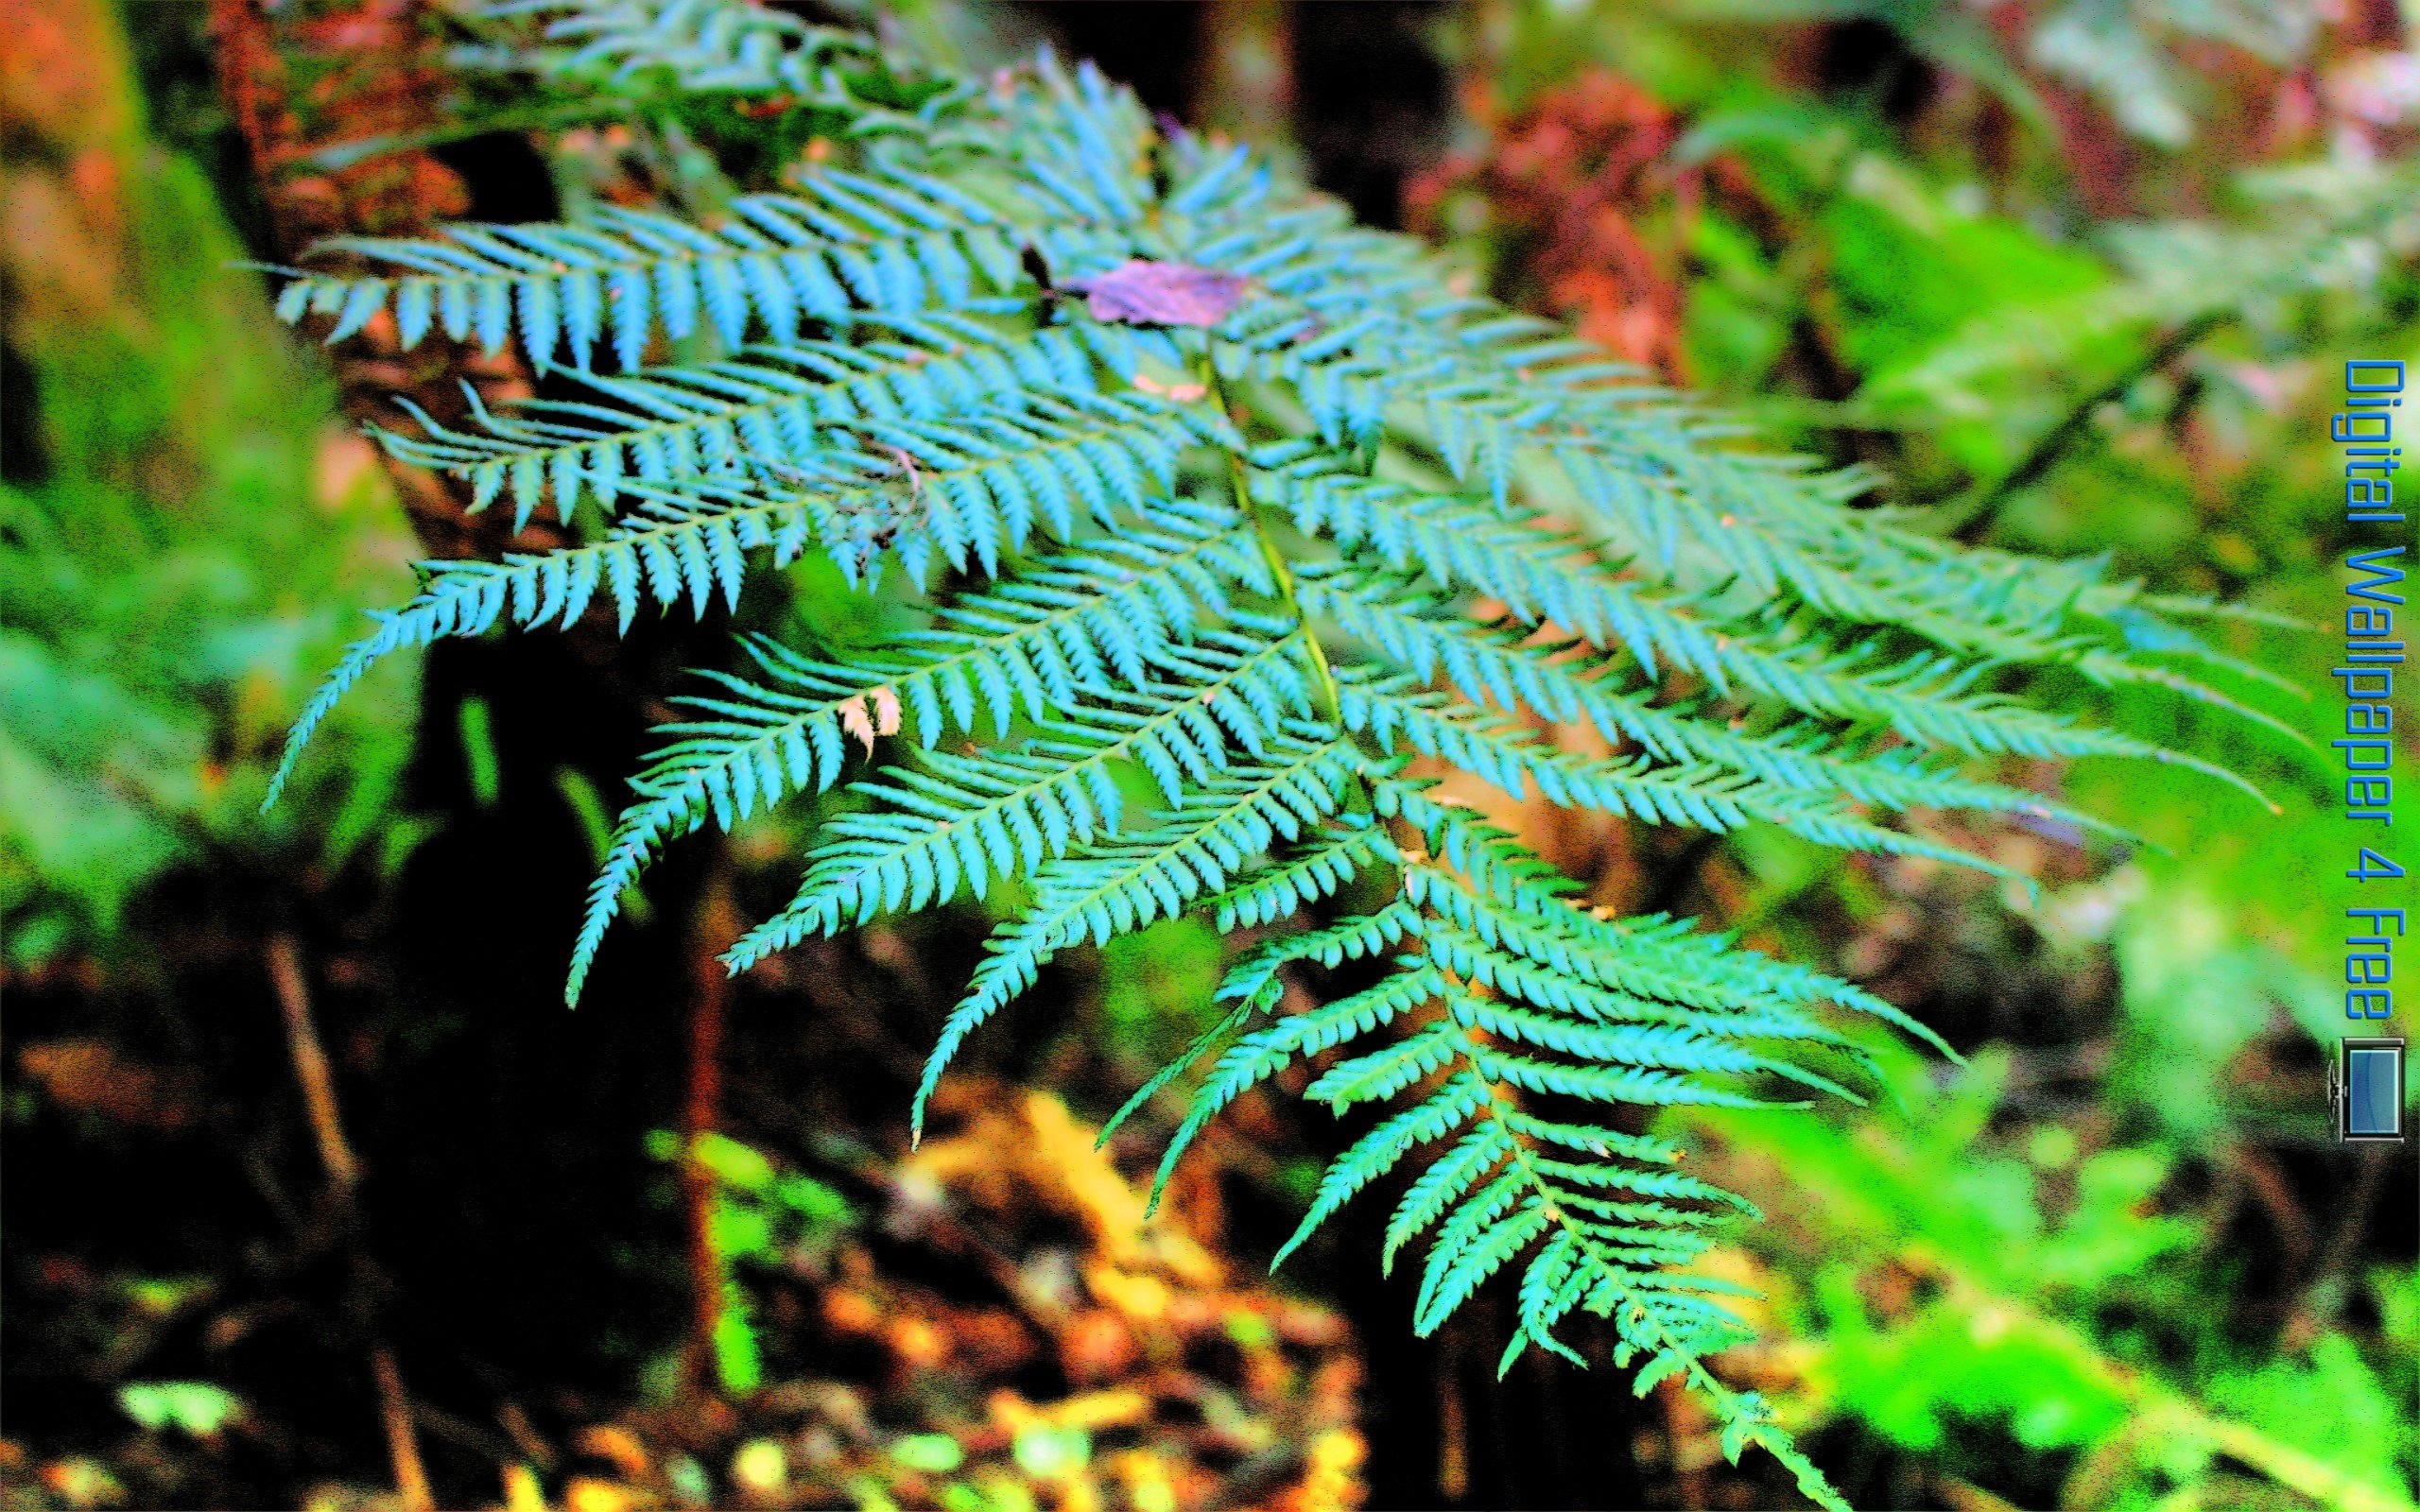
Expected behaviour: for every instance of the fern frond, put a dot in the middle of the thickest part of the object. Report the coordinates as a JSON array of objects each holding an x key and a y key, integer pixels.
[
  {"x": 982, "y": 489},
  {"x": 970, "y": 818},
  {"x": 665, "y": 553},
  {"x": 779, "y": 406},
  {"x": 1349, "y": 846},
  {"x": 702, "y": 45},
  {"x": 1277, "y": 890},
  {"x": 1653, "y": 955},
  {"x": 1511, "y": 668},
  {"x": 1600, "y": 1215},
  {"x": 1309, "y": 511},
  {"x": 625, "y": 275},
  {"x": 1548, "y": 578},
  {"x": 1027, "y": 646},
  {"x": 1696, "y": 794},
  {"x": 978, "y": 481},
  {"x": 1115, "y": 888}
]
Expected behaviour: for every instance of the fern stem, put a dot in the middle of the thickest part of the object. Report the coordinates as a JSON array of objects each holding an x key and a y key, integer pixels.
[{"x": 1280, "y": 571}]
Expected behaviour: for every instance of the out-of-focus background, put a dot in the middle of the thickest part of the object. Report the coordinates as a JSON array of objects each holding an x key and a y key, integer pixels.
[{"x": 316, "y": 1195}]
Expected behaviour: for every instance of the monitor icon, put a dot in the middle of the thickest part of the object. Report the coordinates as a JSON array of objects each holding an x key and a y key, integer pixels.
[{"x": 2367, "y": 1087}]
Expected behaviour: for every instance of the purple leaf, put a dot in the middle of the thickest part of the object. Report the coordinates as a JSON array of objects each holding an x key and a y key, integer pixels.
[{"x": 1140, "y": 292}]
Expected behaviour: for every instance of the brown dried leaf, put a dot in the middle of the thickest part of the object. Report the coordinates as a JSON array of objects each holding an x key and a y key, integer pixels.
[
  {"x": 855, "y": 720},
  {"x": 90, "y": 1076},
  {"x": 613, "y": 1442},
  {"x": 1141, "y": 292}
]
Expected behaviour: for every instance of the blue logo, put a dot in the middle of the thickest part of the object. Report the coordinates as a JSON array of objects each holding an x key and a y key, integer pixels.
[{"x": 2368, "y": 1087}]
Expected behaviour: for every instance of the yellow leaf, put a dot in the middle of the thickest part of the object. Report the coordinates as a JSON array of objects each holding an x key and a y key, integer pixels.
[
  {"x": 760, "y": 1467},
  {"x": 585, "y": 1494},
  {"x": 1147, "y": 1485},
  {"x": 1095, "y": 1410},
  {"x": 611, "y": 1441},
  {"x": 1138, "y": 1296},
  {"x": 521, "y": 1493}
]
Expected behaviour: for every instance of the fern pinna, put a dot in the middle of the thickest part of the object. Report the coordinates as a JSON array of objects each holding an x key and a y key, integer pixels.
[{"x": 1197, "y": 480}]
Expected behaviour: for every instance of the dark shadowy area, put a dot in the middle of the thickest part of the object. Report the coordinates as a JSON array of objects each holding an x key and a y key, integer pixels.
[
  {"x": 21, "y": 459},
  {"x": 1155, "y": 47},
  {"x": 1373, "y": 103},
  {"x": 507, "y": 178}
]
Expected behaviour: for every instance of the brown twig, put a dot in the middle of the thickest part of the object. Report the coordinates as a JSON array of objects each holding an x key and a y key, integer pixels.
[
  {"x": 526, "y": 1437},
  {"x": 403, "y": 1443},
  {"x": 1453, "y": 1426},
  {"x": 311, "y": 1064},
  {"x": 1964, "y": 1496},
  {"x": 344, "y": 1176},
  {"x": 701, "y": 1114}
]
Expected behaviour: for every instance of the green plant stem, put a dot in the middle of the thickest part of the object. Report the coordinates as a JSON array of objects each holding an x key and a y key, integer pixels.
[
  {"x": 1239, "y": 481},
  {"x": 2054, "y": 442}
]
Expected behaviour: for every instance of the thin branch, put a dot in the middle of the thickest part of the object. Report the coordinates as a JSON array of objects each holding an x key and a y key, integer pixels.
[
  {"x": 403, "y": 1442},
  {"x": 2270, "y": 1188},
  {"x": 344, "y": 1176},
  {"x": 311, "y": 1064},
  {"x": 2355, "y": 1222},
  {"x": 2053, "y": 443}
]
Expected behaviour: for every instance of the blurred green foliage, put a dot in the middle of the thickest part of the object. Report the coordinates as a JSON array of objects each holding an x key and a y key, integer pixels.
[
  {"x": 1955, "y": 1271},
  {"x": 186, "y": 539},
  {"x": 193, "y": 1407},
  {"x": 755, "y": 1216}
]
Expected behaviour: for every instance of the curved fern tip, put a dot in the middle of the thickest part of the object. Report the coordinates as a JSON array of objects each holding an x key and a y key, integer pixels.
[{"x": 285, "y": 763}]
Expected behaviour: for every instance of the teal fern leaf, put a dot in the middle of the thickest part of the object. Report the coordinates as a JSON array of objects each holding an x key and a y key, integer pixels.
[
  {"x": 698, "y": 45},
  {"x": 1190, "y": 615}
]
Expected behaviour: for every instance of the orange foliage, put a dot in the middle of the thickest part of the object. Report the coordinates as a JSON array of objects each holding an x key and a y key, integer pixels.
[
  {"x": 1574, "y": 182},
  {"x": 1020, "y": 1295},
  {"x": 299, "y": 86}
]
